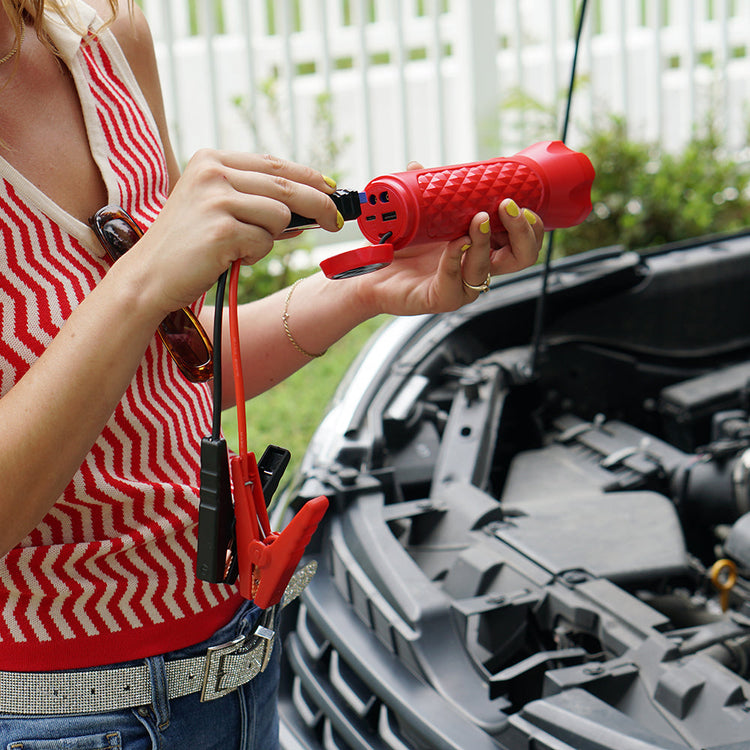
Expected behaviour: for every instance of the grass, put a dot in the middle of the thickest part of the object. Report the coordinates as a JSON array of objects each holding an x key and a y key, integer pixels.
[{"x": 288, "y": 414}]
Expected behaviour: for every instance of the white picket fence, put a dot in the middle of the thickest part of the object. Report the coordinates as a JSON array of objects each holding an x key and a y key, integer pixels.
[{"x": 439, "y": 80}]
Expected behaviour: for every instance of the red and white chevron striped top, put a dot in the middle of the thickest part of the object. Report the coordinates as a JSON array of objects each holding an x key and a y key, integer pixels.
[{"x": 108, "y": 575}]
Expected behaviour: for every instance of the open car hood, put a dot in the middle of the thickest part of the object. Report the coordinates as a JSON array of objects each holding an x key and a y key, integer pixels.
[{"x": 538, "y": 546}]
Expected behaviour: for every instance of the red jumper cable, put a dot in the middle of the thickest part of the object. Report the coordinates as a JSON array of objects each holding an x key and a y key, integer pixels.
[{"x": 266, "y": 559}]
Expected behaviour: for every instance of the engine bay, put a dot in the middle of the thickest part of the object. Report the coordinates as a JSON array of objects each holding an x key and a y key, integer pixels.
[{"x": 553, "y": 536}]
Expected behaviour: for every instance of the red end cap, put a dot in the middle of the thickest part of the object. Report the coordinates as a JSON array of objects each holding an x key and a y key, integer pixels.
[
  {"x": 357, "y": 262},
  {"x": 568, "y": 176}
]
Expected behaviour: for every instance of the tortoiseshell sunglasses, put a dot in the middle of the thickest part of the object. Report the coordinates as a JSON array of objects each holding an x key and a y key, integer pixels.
[{"x": 181, "y": 332}]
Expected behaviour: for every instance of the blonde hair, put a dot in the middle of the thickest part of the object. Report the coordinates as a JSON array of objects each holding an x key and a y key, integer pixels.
[{"x": 21, "y": 11}]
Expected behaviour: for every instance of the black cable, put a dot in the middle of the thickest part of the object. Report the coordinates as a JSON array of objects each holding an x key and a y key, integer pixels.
[
  {"x": 541, "y": 300},
  {"x": 215, "y": 511},
  {"x": 218, "y": 315}
]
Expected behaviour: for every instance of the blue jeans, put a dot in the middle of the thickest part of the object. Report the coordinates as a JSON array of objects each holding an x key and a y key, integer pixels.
[{"x": 246, "y": 719}]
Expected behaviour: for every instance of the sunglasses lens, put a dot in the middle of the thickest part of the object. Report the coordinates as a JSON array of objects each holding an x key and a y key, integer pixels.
[
  {"x": 118, "y": 236},
  {"x": 189, "y": 349}
]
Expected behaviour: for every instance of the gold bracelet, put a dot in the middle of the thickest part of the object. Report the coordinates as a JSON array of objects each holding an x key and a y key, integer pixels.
[{"x": 285, "y": 323}]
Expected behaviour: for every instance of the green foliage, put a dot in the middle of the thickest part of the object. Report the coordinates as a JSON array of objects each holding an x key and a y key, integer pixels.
[
  {"x": 644, "y": 196},
  {"x": 288, "y": 413}
]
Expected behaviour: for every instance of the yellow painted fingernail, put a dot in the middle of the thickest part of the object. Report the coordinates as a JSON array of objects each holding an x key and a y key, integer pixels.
[
  {"x": 466, "y": 247},
  {"x": 484, "y": 227},
  {"x": 512, "y": 209},
  {"x": 330, "y": 182},
  {"x": 339, "y": 220},
  {"x": 530, "y": 217}
]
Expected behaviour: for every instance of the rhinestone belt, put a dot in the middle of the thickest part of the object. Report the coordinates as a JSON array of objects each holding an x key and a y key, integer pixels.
[{"x": 221, "y": 670}]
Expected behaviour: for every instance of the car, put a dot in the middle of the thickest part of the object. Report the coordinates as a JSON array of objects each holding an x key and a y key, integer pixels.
[{"x": 539, "y": 522}]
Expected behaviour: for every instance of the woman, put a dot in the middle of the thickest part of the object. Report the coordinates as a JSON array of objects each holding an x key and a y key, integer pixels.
[{"x": 104, "y": 620}]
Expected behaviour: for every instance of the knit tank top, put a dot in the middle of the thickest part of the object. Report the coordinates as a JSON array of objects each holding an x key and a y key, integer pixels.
[{"x": 108, "y": 575}]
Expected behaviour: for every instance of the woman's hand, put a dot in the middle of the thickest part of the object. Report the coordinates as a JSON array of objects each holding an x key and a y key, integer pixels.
[
  {"x": 438, "y": 278},
  {"x": 225, "y": 207}
]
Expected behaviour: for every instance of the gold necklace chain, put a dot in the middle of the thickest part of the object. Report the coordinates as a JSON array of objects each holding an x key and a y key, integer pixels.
[{"x": 16, "y": 48}]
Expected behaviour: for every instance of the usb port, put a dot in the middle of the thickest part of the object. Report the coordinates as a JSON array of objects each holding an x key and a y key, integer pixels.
[{"x": 389, "y": 216}]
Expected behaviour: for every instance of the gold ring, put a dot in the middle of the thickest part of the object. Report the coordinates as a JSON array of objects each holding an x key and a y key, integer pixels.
[{"x": 483, "y": 287}]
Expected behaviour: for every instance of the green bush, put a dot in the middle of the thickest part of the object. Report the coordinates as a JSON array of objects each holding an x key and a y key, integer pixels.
[{"x": 643, "y": 195}]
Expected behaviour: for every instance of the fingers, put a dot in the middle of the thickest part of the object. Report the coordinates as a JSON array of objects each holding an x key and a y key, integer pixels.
[
  {"x": 288, "y": 195},
  {"x": 265, "y": 190},
  {"x": 485, "y": 253},
  {"x": 523, "y": 241},
  {"x": 475, "y": 260},
  {"x": 273, "y": 166}
]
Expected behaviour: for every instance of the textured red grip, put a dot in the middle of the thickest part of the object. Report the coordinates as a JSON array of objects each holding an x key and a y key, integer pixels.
[
  {"x": 448, "y": 197},
  {"x": 436, "y": 204}
]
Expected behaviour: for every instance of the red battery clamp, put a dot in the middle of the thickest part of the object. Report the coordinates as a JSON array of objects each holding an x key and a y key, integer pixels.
[
  {"x": 430, "y": 205},
  {"x": 266, "y": 559}
]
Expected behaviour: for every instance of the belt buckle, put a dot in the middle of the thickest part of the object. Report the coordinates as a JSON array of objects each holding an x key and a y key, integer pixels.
[
  {"x": 225, "y": 660},
  {"x": 232, "y": 664}
]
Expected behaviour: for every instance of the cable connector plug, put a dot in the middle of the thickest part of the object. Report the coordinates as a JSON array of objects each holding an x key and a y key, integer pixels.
[
  {"x": 216, "y": 512},
  {"x": 348, "y": 203}
]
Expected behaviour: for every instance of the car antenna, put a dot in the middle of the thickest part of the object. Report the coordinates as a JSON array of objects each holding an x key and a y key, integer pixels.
[{"x": 542, "y": 298}]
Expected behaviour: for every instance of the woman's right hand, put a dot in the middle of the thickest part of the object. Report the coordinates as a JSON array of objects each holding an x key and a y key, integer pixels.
[{"x": 226, "y": 206}]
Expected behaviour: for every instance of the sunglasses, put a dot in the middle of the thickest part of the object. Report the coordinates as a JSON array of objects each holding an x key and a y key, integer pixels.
[{"x": 180, "y": 331}]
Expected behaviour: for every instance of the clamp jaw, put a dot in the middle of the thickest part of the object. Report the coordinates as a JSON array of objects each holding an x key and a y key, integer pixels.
[
  {"x": 267, "y": 559},
  {"x": 235, "y": 538}
]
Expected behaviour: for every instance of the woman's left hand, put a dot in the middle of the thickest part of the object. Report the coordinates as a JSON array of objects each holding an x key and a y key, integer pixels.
[{"x": 439, "y": 277}]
